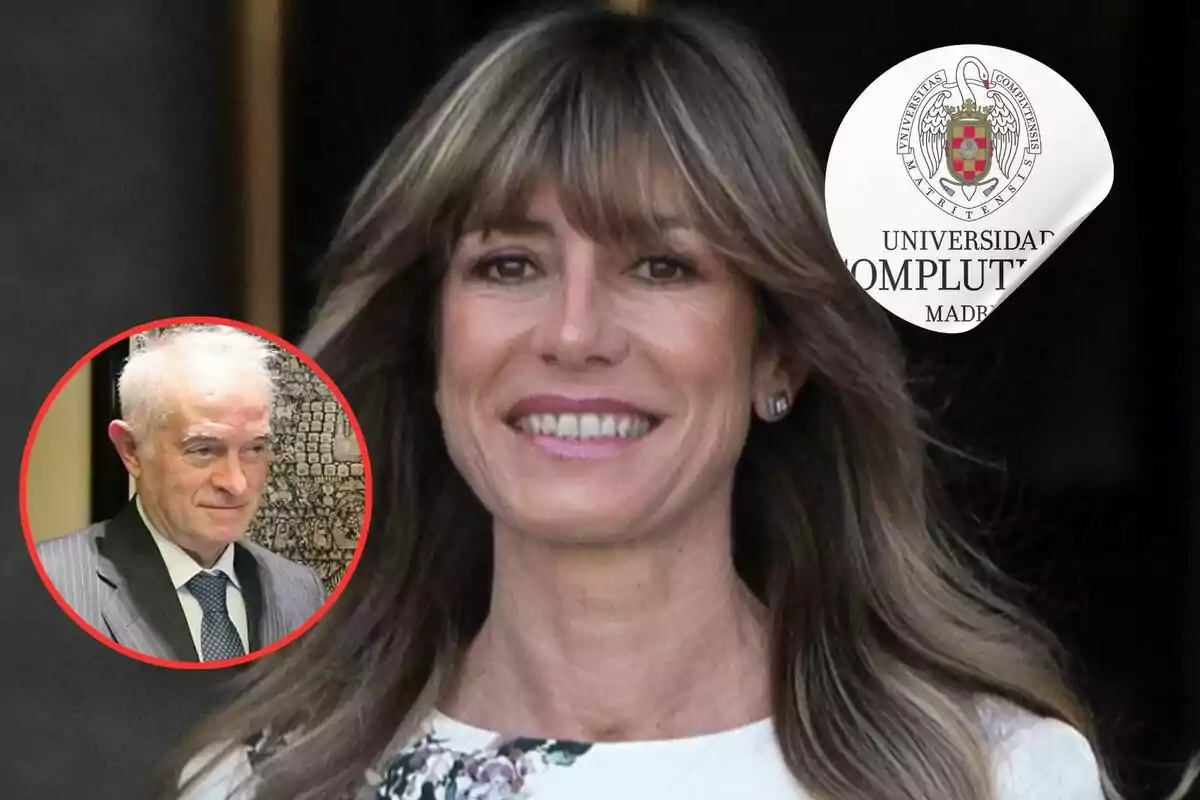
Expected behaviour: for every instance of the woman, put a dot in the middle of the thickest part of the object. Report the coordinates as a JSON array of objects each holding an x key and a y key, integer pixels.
[{"x": 651, "y": 509}]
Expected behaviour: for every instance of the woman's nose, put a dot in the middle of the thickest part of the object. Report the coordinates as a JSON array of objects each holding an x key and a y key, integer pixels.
[{"x": 580, "y": 327}]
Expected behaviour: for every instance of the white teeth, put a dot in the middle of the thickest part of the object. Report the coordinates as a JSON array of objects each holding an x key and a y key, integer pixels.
[
  {"x": 608, "y": 427},
  {"x": 589, "y": 426},
  {"x": 585, "y": 426},
  {"x": 568, "y": 426}
]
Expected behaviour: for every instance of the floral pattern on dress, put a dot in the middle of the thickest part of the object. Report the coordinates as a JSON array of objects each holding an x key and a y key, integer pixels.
[{"x": 429, "y": 769}]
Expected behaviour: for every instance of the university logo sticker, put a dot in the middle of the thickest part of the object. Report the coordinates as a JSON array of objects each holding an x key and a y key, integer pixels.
[{"x": 972, "y": 123}]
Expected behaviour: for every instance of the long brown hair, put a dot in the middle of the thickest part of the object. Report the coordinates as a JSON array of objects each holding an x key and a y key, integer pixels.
[{"x": 884, "y": 627}]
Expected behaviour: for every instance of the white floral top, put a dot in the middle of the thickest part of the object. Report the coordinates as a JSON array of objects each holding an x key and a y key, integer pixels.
[{"x": 1033, "y": 759}]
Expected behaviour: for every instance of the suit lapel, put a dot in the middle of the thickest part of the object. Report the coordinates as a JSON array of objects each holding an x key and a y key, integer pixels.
[
  {"x": 144, "y": 578},
  {"x": 246, "y": 567},
  {"x": 125, "y": 625}
]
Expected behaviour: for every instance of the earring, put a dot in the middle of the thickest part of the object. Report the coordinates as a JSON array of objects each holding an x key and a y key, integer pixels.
[{"x": 778, "y": 405}]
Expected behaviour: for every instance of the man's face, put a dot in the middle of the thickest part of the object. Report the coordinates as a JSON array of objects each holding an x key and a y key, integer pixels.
[{"x": 201, "y": 478}]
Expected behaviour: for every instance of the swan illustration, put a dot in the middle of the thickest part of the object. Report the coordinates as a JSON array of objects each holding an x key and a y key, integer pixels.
[{"x": 989, "y": 105}]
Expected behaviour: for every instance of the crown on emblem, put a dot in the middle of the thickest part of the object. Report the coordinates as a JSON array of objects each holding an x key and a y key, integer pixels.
[{"x": 968, "y": 110}]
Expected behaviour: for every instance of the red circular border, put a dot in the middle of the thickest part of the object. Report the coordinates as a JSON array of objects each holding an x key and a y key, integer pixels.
[{"x": 367, "y": 481}]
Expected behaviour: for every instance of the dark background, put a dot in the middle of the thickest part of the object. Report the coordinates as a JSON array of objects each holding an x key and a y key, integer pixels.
[
  {"x": 121, "y": 170},
  {"x": 109, "y": 478}
]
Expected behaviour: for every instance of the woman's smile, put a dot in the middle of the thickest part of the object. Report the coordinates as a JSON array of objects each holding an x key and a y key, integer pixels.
[{"x": 581, "y": 428}]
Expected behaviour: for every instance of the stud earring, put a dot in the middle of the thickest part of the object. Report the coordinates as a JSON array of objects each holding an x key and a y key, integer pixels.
[{"x": 778, "y": 405}]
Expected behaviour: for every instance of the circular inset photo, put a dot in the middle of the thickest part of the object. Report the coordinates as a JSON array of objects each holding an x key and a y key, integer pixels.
[{"x": 195, "y": 492}]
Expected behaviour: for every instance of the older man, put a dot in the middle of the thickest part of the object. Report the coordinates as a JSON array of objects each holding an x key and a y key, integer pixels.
[{"x": 171, "y": 575}]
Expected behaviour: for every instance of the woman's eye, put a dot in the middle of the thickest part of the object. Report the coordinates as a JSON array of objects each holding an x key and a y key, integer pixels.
[
  {"x": 663, "y": 270},
  {"x": 507, "y": 269}
]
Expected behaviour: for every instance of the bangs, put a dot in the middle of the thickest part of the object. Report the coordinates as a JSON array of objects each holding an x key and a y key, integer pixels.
[
  {"x": 610, "y": 131},
  {"x": 616, "y": 182}
]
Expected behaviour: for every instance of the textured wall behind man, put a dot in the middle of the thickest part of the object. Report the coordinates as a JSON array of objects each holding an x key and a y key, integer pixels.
[{"x": 313, "y": 504}]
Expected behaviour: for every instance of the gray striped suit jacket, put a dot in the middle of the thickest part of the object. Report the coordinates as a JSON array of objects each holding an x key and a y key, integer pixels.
[{"x": 113, "y": 576}]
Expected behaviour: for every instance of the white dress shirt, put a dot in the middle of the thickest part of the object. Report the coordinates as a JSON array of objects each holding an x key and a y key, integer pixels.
[{"x": 182, "y": 568}]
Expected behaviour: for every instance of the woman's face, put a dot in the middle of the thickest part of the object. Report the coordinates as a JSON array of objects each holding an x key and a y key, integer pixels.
[{"x": 591, "y": 393}]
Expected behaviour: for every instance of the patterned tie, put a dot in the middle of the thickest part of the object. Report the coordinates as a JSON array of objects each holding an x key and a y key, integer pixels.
[{"x": 218, "y": 637}]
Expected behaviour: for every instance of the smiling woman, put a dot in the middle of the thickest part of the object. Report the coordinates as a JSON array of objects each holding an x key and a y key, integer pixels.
[{"x": 654, "y": 517}]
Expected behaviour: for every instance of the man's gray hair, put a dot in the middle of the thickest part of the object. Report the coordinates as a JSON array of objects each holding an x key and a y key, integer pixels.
[{"x": 163, "y": 358}]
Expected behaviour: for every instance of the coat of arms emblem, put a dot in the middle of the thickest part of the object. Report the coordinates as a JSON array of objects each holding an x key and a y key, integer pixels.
[{"x": 969, "y": 144}]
